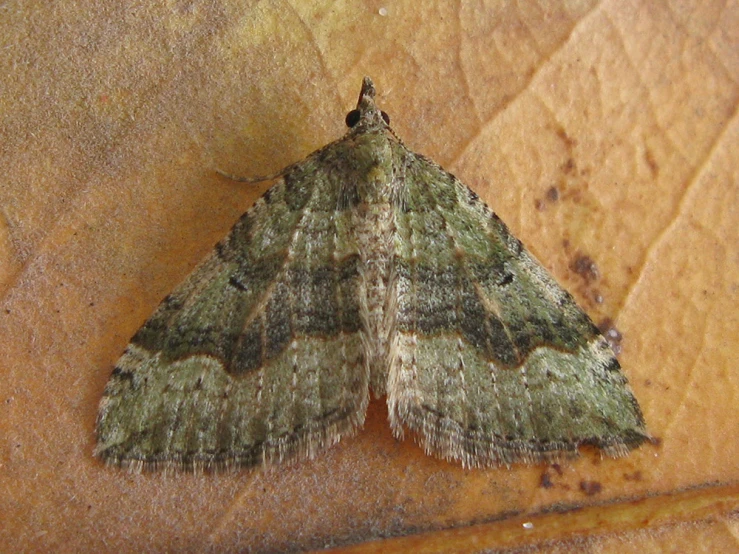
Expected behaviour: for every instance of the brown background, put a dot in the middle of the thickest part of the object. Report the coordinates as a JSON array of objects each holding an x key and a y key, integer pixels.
[{"x": 113, "y": 120}]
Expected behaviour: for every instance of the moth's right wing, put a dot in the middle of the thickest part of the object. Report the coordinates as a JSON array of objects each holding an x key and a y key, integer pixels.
[{"x": 493, "y": 362}]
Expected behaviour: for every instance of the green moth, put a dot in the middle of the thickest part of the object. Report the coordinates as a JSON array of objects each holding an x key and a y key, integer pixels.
[{"x": 366, "y": 266}]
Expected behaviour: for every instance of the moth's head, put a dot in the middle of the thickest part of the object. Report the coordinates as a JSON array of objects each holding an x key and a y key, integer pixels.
[{"x": 367, "y": 115}]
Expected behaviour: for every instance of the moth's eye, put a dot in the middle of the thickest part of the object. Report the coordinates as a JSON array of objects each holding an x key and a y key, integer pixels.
[
  {"x": 385, "y": 117},
  {"x": 352, "y": 118}
]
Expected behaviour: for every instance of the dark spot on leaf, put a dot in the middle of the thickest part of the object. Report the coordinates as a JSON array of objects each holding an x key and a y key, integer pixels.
[
  {"x": 545, "y": 482},
  {"x": 590, "y": 488}
]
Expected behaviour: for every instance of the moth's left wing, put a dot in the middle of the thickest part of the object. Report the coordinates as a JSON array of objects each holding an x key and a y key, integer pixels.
[
  {"x": 492, "y": 361},
  {"x": 257, "y": 356}
]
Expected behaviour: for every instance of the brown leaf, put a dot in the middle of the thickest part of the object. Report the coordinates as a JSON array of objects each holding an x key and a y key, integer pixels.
[{"x": 115, "y": 116}]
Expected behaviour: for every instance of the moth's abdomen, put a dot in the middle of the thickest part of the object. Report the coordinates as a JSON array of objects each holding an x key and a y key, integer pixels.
[{"x": 374, "y": 231}]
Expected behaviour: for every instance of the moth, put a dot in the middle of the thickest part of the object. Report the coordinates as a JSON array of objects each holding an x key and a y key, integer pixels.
[{"x": 366, "y": 266}]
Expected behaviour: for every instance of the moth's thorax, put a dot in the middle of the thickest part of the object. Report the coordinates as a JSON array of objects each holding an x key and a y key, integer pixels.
[{"x": 373, "y": 166}]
